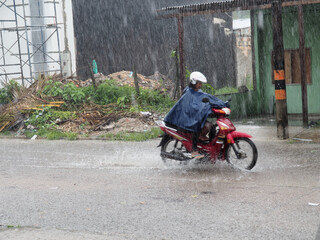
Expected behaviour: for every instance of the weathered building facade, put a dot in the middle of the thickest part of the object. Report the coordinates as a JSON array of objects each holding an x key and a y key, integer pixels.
[{"x": 263, "y": 51}]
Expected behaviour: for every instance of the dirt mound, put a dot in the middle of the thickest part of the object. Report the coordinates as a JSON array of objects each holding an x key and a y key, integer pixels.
[{"x": 156, "y": 81}]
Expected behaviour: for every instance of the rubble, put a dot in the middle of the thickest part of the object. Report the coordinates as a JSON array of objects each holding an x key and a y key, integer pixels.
[{"x": 156, "y": 81}]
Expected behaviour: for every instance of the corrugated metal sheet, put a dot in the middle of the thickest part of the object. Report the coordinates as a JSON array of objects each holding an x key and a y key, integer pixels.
[
  {"x": 218, "y": 5},
  {"x": 225, "y": 6}
]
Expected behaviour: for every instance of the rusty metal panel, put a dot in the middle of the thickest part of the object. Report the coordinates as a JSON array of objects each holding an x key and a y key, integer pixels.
[{"x": 225, "y": 6}]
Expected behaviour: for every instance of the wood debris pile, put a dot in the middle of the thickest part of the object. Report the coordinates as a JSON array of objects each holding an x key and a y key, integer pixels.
[{"x": 12, "y": 115}]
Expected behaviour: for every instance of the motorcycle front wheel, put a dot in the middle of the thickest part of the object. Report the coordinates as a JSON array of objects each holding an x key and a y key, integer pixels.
[{"x": 244, "y": 155}]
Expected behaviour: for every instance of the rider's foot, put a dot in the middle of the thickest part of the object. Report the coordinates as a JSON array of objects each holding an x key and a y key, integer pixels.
[
  {"x": 196, "y": 155},
  {"x": 203, "y": 138}
]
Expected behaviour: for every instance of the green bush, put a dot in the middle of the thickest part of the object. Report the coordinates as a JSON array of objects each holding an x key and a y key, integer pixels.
[
  {"x": 6, "y": 93},
  {"x": 72, "y": 94},
  {"x": 208, "y": 89},
  {"x": 154, "y": 100},
  {"x": 108, "y": 92},
  {"x": 53, "y": 89},
  {"x": 4, "y": 96}
]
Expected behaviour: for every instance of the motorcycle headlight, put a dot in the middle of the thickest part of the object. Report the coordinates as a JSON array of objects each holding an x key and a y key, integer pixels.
[{"x": 227, "y": 111}]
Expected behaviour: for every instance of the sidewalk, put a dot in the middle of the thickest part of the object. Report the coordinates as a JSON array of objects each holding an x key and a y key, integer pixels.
[
  {"x": 296, "y": 131},
  {"x": 308, "y": 135}
]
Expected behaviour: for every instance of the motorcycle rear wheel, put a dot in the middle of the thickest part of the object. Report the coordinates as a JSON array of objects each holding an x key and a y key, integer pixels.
[
  {"x": 174, "y": 152},
  {"x": 248, "y": 154}
]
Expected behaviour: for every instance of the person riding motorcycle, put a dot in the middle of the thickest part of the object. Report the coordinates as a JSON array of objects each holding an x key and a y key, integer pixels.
[{"x": 190, "y": 112}]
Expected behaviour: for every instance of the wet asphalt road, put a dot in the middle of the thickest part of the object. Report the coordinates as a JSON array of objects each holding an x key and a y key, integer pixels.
[{"x": 117, "y": 190}]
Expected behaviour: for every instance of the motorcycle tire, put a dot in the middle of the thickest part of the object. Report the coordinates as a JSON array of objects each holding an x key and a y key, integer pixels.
[
  {"x": 248, "y": 154},
  {"x": 173, "y": 151}
]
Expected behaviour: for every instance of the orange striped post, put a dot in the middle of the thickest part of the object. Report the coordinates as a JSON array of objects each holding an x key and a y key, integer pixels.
[
  {"x": 280, "y": 85},
  {"x": 279, "y": 71}
]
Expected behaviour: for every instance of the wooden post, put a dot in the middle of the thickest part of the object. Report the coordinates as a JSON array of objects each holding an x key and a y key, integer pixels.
[
  {"x": 136, "y": 82},
  {"x": 302, "y": 54},
  {"x": 181, "y": 57},
  {"x": 177, "y": 92},
  {"x": 279, "y": 71}
]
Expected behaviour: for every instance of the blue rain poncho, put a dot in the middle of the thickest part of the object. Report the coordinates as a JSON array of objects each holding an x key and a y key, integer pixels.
[{"x": 190, "y": 113}]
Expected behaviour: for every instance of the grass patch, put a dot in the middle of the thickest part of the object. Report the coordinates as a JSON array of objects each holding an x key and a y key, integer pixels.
[
  {"x": 5, "y": 133},
  {"x": 12, "y": 226},
  {"x": 134, "y": 136},
  {"x": 52, "y": 134}
]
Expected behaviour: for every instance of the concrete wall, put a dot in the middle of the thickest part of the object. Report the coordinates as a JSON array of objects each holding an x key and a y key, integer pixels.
[
  {"x": 243, "y": 51},
  {"x": 291, "y": 41},
  {"x": 123, "y": 34}
]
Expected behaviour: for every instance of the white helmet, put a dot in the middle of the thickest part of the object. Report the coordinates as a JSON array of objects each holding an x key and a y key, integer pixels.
[{"x": 197, "y": 76}]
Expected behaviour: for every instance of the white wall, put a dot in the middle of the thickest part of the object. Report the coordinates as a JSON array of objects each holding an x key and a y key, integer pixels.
[{"x": 66, "y": 39}]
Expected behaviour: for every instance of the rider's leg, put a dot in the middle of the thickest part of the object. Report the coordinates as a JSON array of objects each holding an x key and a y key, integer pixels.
[
  {"x": 205, "y": 130},
  {"x": 195, "y": 136},
  {"x": 195, "y": 153}
]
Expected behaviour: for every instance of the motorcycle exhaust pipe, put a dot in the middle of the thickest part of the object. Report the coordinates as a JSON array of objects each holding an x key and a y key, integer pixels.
[{"x": 174, "y": 156}]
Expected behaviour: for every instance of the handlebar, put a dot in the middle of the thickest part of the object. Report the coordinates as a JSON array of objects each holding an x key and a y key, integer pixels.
[{"x": 206, "y": 100}]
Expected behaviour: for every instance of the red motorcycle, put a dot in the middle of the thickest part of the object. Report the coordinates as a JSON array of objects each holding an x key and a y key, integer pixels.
[{"x": 224, "y": 143}]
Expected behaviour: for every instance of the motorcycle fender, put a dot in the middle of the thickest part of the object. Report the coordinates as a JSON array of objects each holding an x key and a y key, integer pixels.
[{"x": 231, "y": 136}]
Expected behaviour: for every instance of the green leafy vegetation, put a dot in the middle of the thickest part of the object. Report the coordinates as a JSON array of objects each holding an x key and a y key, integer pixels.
[
  {"x": 7, "y": 92},
  {"x": 69, "y": 92},
  {"x": 125, "y": 97},
  {"x": 208, "y": 89},
  {"x": 47, "y": 117},
  {"x": 226, "y": 90},
  {"x": 52, "y": 89}
]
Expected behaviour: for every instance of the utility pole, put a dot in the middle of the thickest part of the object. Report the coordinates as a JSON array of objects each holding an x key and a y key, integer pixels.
[
  {"x": 302, "y": 54},
  {"x": 279, "y": 71}
]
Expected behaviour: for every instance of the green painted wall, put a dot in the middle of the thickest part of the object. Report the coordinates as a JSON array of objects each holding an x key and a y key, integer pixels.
[{"x": 264, "y": 46}]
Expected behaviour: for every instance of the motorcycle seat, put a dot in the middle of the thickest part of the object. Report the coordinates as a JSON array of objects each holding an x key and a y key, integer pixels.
[{"x": 179, "y": 129}]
